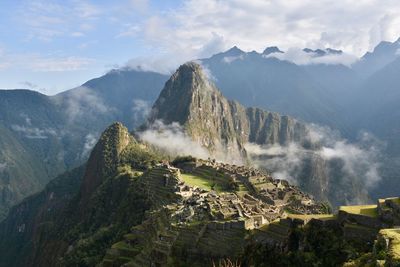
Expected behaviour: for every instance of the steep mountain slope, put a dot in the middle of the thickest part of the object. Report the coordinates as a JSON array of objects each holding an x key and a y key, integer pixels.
[
  {"x": 378, "y": 104},
  {"x": 42, "y": 136},
  {"x": 377, "y": 111},
  {"x": 383, "y": 54},
  {"x": 32, "y": 219},
  {"x": 219, "y": 125},
  {"x": 31, "y": 151},
  {"x": 16, "y": 163}
]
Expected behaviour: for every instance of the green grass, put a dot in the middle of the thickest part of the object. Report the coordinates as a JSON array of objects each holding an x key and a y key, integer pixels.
[
  {"x": 367, "y": 210},
  {"x": 201, "y": 182},
  {"x": 312, "y": 216},
  {"x": 194, "y": 180}
]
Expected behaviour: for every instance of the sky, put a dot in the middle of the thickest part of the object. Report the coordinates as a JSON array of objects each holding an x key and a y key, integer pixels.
[{"x": 52, "y": 46}]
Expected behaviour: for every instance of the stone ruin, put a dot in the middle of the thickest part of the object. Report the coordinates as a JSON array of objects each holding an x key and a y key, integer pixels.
[{"x": 264, "y": 200}]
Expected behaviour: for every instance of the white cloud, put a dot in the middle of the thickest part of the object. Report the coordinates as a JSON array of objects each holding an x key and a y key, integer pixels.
[
  {"x": 185, "y": 33},
  {"x": 140, "y": 5},
  {"x": 233, "y": 58},
  {"x": 71, "y": 63},
  {"x": 43, "y": 63},
  {"x": 46, "y": 21},
  {"x": 359, "y": 161},
  {"x": 3, "y": 166},
  {"x": 129, "y": 30},
  {"x": 140, "y": 110},
  {"x": 90, "y": 142},
  {"x": 82, "y": 101},
  {"x": 34, "y": 132},
  {"x": 298, "y": 56},
  {"x": 77, "y": 34},
  {"x": 29, "y": 85},
  {"x": 173, "y": 139}
]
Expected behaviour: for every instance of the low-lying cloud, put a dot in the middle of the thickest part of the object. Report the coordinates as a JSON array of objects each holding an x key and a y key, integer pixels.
[
  {"x": 359, "y": 161},
  {"x": 34, "y": 132},
  {"x": 173, "y": 140},
  {"x": 3, "y": 166},
  {"x": 90, "y": 142},
  {"x": 300, "y": 57},
  {"x": 140, "y": 110},
  {"x": 82, "y": 101}
]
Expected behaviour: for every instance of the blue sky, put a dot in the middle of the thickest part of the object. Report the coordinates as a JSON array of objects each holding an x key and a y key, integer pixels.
[
  {"x": 52, "y": 46},
  {"x": 55, "y": 45}
]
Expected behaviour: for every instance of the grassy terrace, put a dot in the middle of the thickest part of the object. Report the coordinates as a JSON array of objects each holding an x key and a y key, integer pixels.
[
  {"x": 366, "y": 210},
  {"x": 312, "y": 216},
  {"x": 194, "y": 180},
  {"x": 203, "y": 181}
]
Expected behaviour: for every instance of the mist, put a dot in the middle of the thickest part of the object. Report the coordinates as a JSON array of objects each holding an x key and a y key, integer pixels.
[
  {"x": 34, "y": 132},
  {"x": 359, "y": 161},
  {"x": 172, "y": 139},
  {"x": 90, "y": 142},
  {"x": 3, "y": 166},
  {"x": 140, "y": 110}
]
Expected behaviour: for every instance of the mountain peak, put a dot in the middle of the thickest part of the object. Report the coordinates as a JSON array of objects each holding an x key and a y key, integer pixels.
[
  {"x": 187, "y": 85},
  {"x": 271, "y": 50},
  {"x": 234, "y": 51},
  {"x": 323, "y": 52},
  {"x": 104, "y": 157}
]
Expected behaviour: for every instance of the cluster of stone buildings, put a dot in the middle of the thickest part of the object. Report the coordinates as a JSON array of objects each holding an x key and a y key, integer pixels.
[{"x": 260, "y": 200}]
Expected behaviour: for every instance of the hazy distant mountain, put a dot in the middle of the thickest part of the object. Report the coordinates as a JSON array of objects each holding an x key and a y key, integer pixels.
[
  {"x": 383, "y": 54},
  {"x": 267, "y": 82},
  {"x": 378, "y": 102}
]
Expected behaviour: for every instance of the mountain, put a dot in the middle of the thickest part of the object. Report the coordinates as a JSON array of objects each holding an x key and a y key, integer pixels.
[
  {"x": 125, "y": 94},
  {"x": 43, "y": 136},
  {"x": 30, "y": 150},
  {"x": 378, "y": 110},
  {"x": 129, "y": 206},
  {"x": 190, "y": 99},
  {"x": 383, "y": 54},
  {"x": 263, "y": 81},
  {"x": 225, "y": 128}
]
